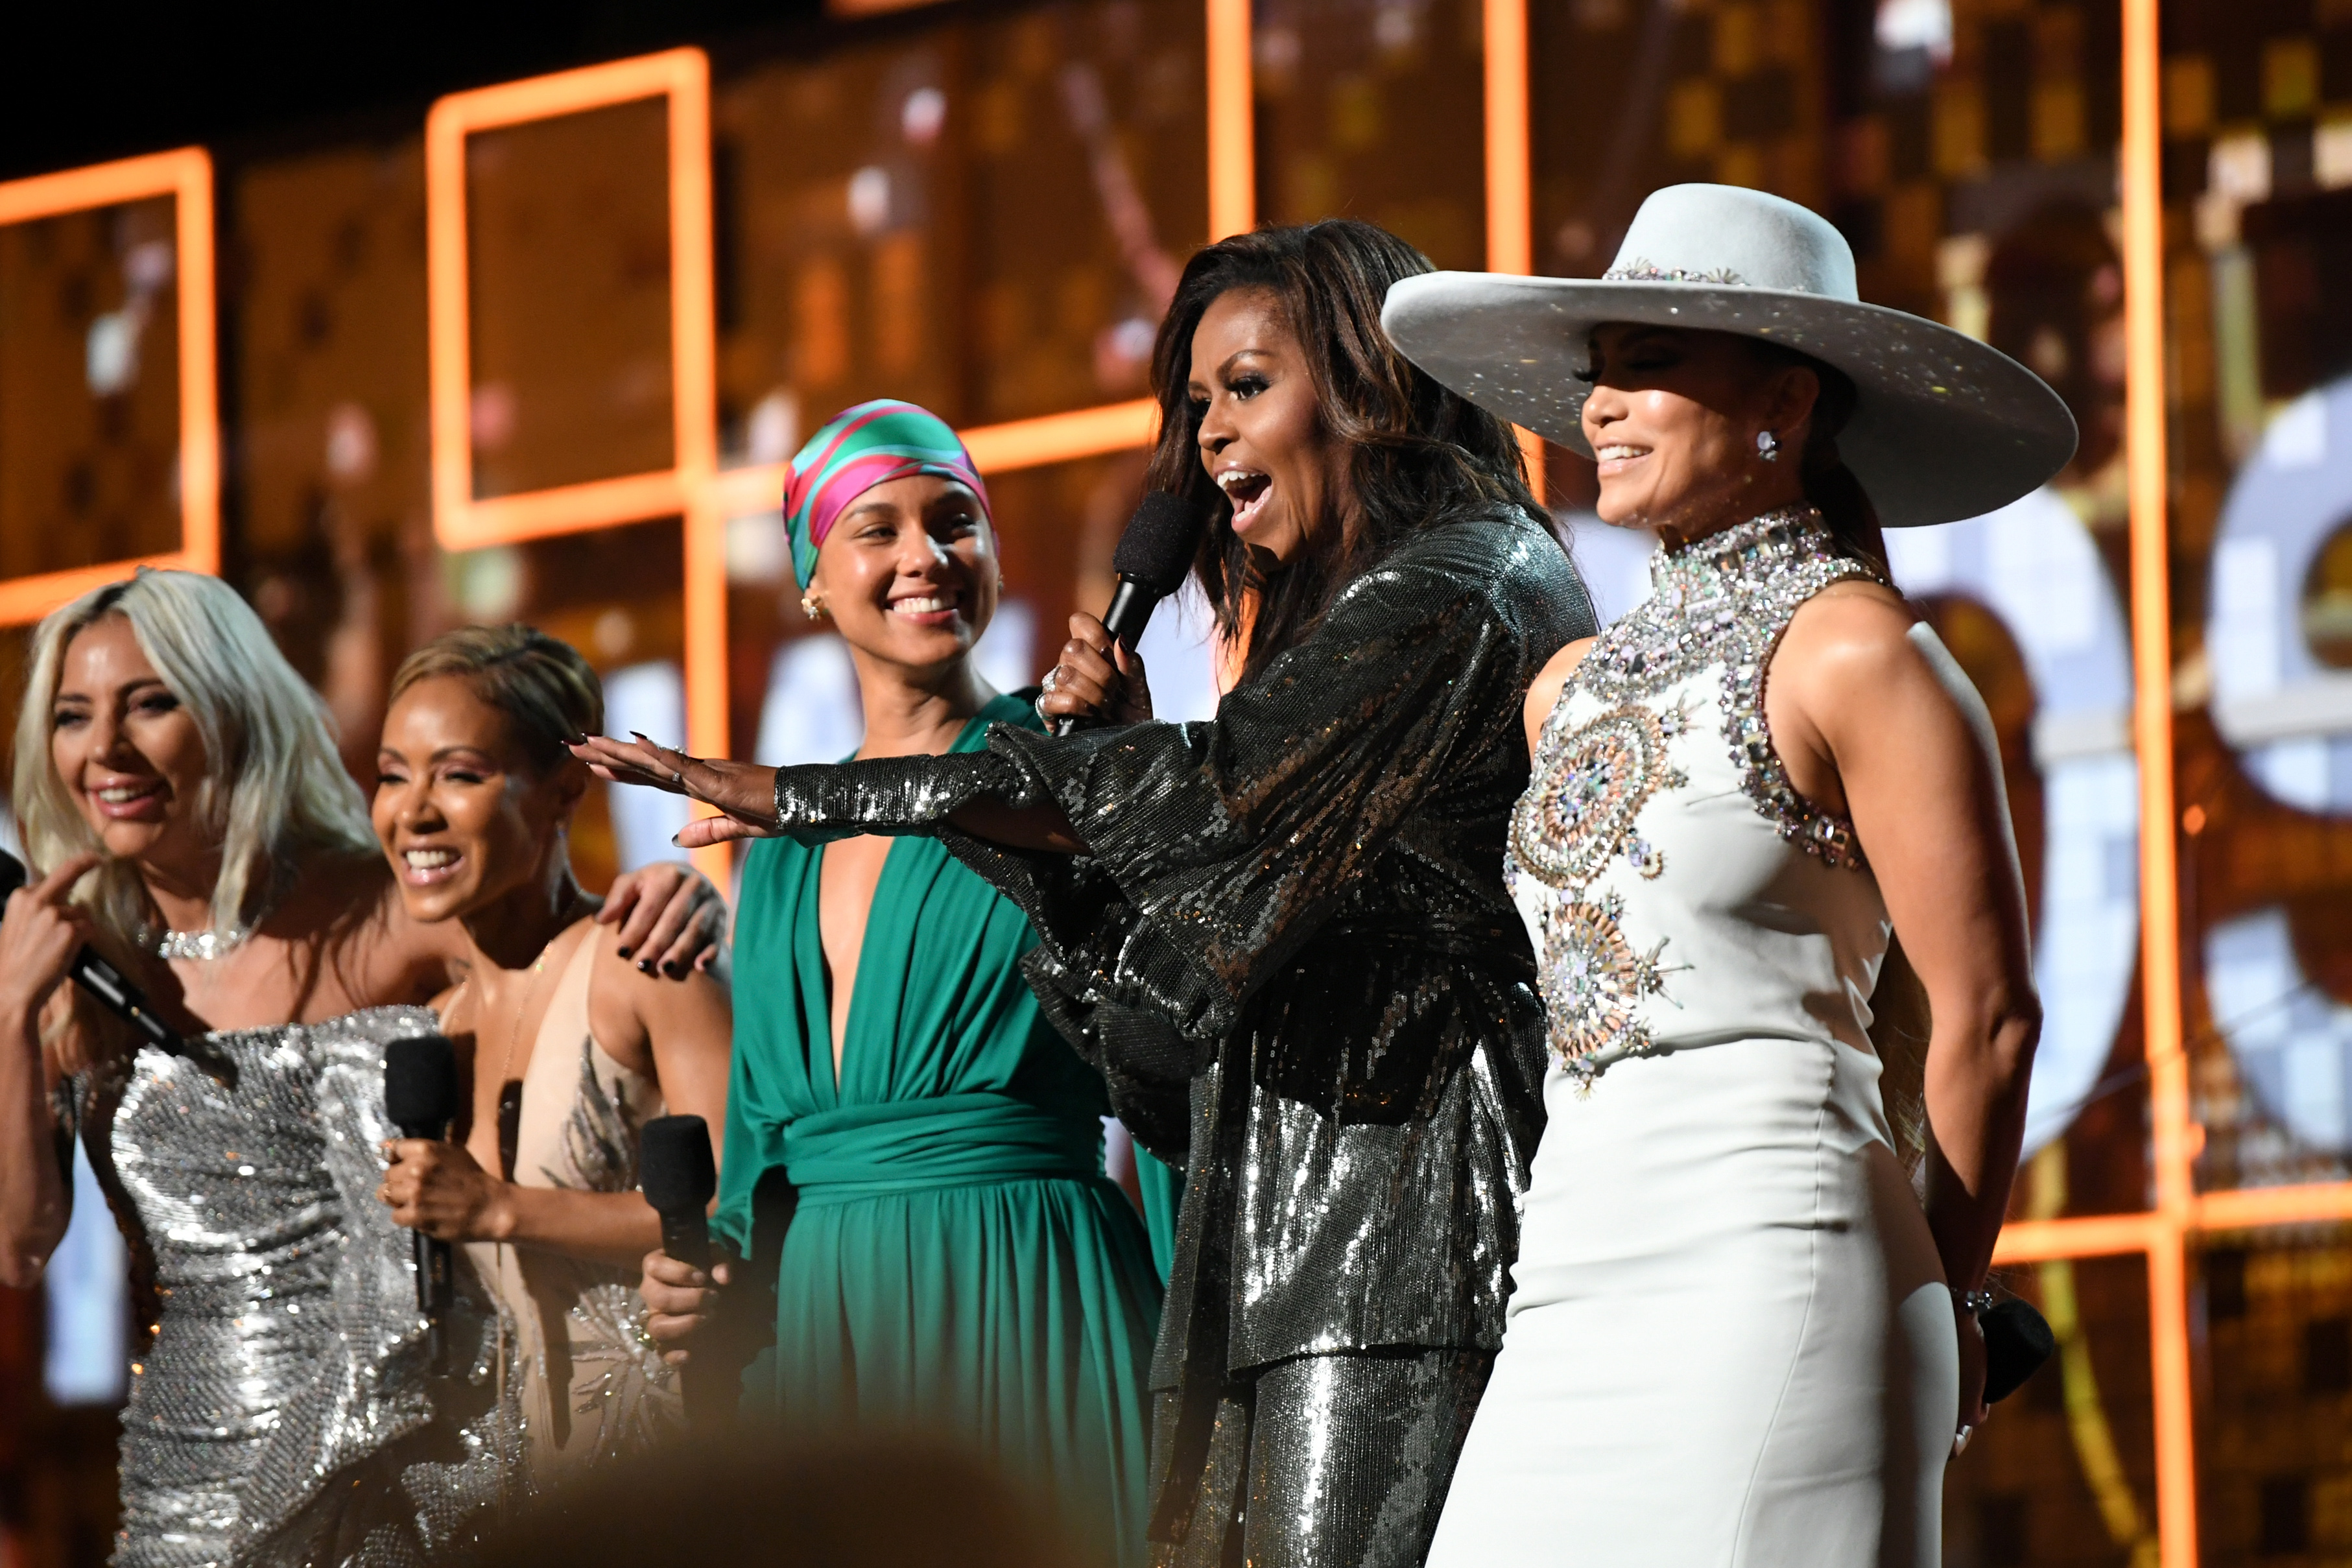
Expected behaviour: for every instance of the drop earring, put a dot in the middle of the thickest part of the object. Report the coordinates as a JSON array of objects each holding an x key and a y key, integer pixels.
[
  {"x": 1768, "y": 445},
  {"x": 812, "y": 606}
]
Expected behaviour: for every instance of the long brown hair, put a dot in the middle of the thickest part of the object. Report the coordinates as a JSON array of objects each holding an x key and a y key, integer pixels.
[{"x": 1416, "y": 451}]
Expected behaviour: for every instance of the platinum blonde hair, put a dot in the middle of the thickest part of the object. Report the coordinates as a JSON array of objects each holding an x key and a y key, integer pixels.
[{"x": 273, "y": 790}]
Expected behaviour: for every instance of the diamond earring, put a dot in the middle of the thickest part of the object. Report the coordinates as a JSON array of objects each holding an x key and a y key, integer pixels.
[
  {"x": 1768, "y": 445},
  {"x": 812, "y": 606}
]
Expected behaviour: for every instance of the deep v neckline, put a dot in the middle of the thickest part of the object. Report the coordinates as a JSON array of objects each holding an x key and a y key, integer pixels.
[{"x": 828, "y": 1073}]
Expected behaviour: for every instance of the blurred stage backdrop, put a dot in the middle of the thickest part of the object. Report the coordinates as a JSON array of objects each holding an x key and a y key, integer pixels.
[{"x": 537, "y": 352}]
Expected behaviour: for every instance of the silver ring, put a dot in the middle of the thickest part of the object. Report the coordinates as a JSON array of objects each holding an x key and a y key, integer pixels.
[
  {"x": 677, "y": 777},
  {"x": 1053, "y": 679}
]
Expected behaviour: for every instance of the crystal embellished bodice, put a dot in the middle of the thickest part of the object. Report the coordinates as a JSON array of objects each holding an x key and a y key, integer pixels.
[
  {"x": 1678, "y": 889},
  {"x": 282, "y": 1413}
]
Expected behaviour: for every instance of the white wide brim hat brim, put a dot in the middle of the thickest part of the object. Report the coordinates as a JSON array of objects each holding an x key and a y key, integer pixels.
[{"x": 1943, "y": 427}]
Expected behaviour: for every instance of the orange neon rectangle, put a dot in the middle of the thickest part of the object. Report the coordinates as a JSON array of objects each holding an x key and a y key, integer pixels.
[
  {"x": 1232, "y": 120},
  {"x": 1510, "y": 245},
  {"x": 2317, "y": 1203},
  {"x": 1063, "y": 438},
  {"x": 23, "y": 600},
  {"x": 186, "y": 176},
  {"x": 461, "y": 521},
  {"x": 2092, "y": 1235},
  {"x": 570, "y": 508}
]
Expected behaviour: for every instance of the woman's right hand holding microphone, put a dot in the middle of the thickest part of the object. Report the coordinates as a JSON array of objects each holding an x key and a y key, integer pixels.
[{"x": 1097, "y": 678}]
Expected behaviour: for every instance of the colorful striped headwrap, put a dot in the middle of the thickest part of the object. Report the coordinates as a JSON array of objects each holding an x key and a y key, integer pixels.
[{"x": 869, "y": 445}]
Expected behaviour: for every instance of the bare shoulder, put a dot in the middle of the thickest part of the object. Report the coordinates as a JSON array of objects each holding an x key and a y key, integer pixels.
[
  {"x": 1851, "y": 634},
  {"x": 1543, "y": 692}
]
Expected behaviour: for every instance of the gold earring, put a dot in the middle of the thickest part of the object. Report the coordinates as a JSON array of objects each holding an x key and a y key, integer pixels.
[{"x": 812, "y": 606}]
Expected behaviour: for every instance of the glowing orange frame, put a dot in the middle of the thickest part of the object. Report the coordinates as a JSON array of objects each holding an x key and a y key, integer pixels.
[{"x": 187, "y": 176}]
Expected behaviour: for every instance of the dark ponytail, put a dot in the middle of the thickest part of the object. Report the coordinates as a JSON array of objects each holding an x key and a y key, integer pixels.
[{"x": 1829, "y": 485}]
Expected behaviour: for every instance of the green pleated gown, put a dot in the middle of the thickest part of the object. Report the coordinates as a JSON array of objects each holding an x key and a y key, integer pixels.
[{"x": 955, "y": 1262}]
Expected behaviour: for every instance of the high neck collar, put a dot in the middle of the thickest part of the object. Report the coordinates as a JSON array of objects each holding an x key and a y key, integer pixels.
[{"x": 1765, "y": 544}]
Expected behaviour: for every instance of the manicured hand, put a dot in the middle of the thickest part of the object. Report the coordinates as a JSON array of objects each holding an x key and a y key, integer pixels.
[
  {"x": 672, "y": 917},
  {"x": 39, "y": 934},
  {"x": 744, "y": 793},
  {"x": 1096, "y": 676},
  {"x": 438, "y": 1188},
  {"x": 680, "y": 1300}
]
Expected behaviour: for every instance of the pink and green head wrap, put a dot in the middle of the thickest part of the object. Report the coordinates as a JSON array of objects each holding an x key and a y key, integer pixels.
[{"x": 869, "y": 445}]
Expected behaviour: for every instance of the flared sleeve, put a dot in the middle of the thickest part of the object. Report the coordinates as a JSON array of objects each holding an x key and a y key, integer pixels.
[{"x": 1217, "y": 849}]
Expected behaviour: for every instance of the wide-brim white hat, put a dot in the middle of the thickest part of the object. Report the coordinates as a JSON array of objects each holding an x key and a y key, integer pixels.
[{"x": 1943, "y": 427}]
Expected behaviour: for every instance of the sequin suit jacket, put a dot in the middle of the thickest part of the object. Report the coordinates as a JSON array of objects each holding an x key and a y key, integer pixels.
[{"x": 1291, "y": 954}]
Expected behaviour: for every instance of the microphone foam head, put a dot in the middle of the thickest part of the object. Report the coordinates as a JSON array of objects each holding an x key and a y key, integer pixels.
[
  {"x": 420, "y": 1082},
  {"x": 13, "y": 874},
  {"x": 1156, "y": 550},
  {"x": 673, "y": 1164}
]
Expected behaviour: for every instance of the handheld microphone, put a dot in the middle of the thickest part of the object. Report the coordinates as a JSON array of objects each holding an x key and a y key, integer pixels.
[
  {"x": 101, "y": 979},
  {"x": 2017, "y": 1341},
  {"x": 1151, "y": 559},
  {"x": 679, "y": 1178},
  {"x": 420, "y": 1097}
]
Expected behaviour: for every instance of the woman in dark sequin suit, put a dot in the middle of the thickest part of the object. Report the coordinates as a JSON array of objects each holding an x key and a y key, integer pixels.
[
  {"x": 1283, "y": 934},
  {"x": 172, "y": 766}
]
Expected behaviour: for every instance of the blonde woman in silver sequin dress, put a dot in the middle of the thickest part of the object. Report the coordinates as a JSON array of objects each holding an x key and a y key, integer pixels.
[
  {"x": 571, "y": 1048},
  {"x": 183, "y": 808},
  {"x": 1736, "y": 1336}
]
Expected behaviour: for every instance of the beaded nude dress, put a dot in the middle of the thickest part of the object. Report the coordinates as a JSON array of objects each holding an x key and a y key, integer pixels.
[
  {"x": 1729, "y": 1341},
  {"x": 591, "y": 1386},
  {"x": 282, "y": 1413}
]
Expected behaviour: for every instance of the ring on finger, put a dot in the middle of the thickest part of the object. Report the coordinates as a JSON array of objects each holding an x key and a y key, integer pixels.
[{"x": 1053, "y": 679}]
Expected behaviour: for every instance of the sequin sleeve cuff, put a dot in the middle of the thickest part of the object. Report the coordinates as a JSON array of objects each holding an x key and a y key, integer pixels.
[{"x": 818, "y": 803}]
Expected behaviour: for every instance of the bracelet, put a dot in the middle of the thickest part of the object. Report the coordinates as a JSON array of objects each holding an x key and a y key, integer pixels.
[{"x": 1975, "y": 1303}]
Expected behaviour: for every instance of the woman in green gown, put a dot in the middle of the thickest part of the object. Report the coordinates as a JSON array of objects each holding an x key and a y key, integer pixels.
[{"x": 914, "y": 1155}]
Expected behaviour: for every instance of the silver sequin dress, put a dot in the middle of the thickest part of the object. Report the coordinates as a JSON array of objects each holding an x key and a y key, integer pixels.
[{"x": 282, "y": 1414}]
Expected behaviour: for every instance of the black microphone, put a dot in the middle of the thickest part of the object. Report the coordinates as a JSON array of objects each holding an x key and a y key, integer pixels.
[
  {"x": 102, "y": 980},
  {"x": 1151, "y": 559},
  {"x": 2017, "y": 1341},
  {"x": 420, "y": 1097},
  {"x": 678, "y": 1177}
]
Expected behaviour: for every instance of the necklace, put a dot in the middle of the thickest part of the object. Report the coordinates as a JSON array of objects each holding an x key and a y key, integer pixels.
[{"x": 207, "y": 944}]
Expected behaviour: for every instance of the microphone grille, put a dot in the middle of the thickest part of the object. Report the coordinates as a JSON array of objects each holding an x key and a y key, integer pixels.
[
  {"x": 420, "y": 1082},
  {"x": 13, "y": 874},
  {"x": 673, "y": 1164},
  {"x": 1156, "y": 550}
]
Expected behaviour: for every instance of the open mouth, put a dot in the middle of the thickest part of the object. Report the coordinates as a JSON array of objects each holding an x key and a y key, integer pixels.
[
  {"x": 1614, "y": 458},
  {"x": 927, "y": 609},
  {"x": 137, "y": 799},
  {"x": 423, "y": 868},
  {"x": 1248, "y": 491}
]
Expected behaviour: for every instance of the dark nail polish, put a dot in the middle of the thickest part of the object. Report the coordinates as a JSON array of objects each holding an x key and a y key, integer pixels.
[
  {"x": 623, "y": 951},
  {"x": 644, "y": 966},
  {"x": 675, "y": 971}
]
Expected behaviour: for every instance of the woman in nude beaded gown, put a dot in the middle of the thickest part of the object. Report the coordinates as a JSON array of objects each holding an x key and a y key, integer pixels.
[
  {"x": 571, "y": 1048},
  {"x": 1734, "y": 1336}
]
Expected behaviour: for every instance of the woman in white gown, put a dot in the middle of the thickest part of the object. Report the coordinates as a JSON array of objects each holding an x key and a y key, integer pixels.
[{"x": 1732, "y": 1334}]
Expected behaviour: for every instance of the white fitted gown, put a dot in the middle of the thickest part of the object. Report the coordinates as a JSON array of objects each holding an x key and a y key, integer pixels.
[{"x": 1729, "y": 1340}]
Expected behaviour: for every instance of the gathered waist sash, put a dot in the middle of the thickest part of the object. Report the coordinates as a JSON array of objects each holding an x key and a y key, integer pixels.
[{"x": 948, "y": 1141}]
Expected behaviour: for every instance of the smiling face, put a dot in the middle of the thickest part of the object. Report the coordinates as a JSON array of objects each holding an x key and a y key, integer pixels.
[
  {"x": 129, "y": 754},
  {"x": 1262, "y": 437},
  {"x": 1673, "y": 420},
  {"x": 464, "y": 815},
  {"x": 909, "y": 572}
]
